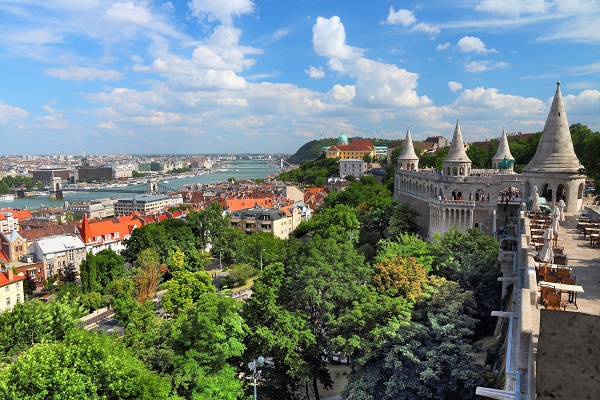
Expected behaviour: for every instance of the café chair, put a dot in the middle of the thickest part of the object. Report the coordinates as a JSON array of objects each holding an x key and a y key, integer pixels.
[{"x": 553, "y": 302}]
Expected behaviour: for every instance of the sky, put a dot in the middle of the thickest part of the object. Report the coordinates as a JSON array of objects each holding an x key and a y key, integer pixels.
[{"x": 243, "y": 76}]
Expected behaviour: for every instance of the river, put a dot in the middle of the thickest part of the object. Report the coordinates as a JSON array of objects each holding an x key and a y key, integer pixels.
[{"x": 243, "y": 169}]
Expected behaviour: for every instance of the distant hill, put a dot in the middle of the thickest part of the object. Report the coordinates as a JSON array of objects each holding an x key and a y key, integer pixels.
[{"x": 312, "y": 150}]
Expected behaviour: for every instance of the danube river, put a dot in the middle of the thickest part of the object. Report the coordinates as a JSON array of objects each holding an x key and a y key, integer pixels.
[{"x": 243, "y": 169}]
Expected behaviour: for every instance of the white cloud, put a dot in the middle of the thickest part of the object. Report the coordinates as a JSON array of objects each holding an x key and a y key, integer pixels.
[
  {"x": 342, "y": 94},
  {"x": 47, "y": 108},
  {"x": 377, "y": 84},
  {"x": 430, "y": 30},
  {"x": 473, "y": 44},
  {"x": 482, "y": 104},
  {"x": 329, "y": 39},
  {"x": 407, "y": 18},
  {"x": 401, "y": 17},
  {"x": 455, "y": 86},
  {"x": 128, "y": 12},
  {"x": 480, "y": 66},
  {"x": 515, "y": 7},
  {"x": 220, "y": 10},
  {"x": 80, "y": 74},
  {"x": 586, "y": 102},
  {"x": 444, "y": 46},
  {"x": 315, "y": 72},
  {"x": 9, "y": 114}
]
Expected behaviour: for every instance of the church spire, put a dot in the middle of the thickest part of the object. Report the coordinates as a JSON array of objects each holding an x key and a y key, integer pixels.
[
  {"x": 408, "y": 159},
  {"x": 503, "y": 150},
  {"x": 408, "y": 151},
  {"x": 555, "y": 151},
  {"x": 457, "y": 148}
]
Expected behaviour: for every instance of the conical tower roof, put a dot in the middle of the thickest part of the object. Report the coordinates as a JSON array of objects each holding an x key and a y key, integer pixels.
[
  {"x": 408, "y": 151},
  {"x": 457, "y": 152},
  {"x": 555, "y": 151},
  {"x": 503, "y": 149}
]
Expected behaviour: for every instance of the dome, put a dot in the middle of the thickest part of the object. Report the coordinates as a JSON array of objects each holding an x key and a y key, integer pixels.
[{"x": 342, "y": 139}]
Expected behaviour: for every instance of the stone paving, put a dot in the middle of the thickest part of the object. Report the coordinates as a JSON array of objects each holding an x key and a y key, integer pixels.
[{"x": 585, "y": 263}]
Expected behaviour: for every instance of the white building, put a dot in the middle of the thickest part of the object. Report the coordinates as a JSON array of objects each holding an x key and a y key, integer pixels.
[
  {"x": 143, "y": 204},
  {"x": 458, "y": 197},
  {"x": 11, "y": 289},
  {"x": 352, "y": 166},
  {"x": 57, "y": 252}
]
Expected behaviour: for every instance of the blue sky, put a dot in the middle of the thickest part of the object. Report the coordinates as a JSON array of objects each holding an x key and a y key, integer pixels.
[{"x": 212, "y": 76}]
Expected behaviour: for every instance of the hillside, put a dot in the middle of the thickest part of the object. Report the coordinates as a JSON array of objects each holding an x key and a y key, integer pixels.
[{"x": 312, "y": 150}]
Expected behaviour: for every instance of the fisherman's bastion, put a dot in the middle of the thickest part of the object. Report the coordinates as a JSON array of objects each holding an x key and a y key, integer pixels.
[{"x": 462, "y": 197}]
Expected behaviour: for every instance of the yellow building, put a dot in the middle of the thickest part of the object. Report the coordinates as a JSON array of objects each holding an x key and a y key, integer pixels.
[
  {"x": 11, "y": 290},
  {"x": 357, "y": 149}
]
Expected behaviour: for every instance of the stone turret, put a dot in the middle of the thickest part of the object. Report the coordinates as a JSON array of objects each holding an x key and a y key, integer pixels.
[
  {"x": 503, "y": 151},
  {"x": 554, "y": 168},
  {"x": 408, "y": 159},
  {"x": 457, "y": 162}
]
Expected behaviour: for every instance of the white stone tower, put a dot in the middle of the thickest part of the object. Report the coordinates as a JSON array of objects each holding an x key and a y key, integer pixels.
[
  {"x": 457, "y": 163},
  {"x": 408, "y": 159},
  {"x": 503, "y": 151},
  {"x": 555, "y": 169}
]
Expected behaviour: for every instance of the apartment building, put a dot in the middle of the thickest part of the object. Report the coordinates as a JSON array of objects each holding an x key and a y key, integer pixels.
[
  {"x": 11, "y": 289},
  {"x": 260, "y": 219},
  {"x": 143, "y": 204}
]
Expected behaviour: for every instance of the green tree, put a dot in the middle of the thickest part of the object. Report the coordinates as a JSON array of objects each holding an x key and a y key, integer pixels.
[
  {"x": 238, "y": 275},
  {"x": 208, "y": 224},
  {"x": 227, "y": 244},
  {"x": 110, "y": 266},
  {"x": 205, "y": 338},
  {"x": 323, "y": 282},
  {"x": 35, "y": 322},
  {"x": 279, "y": 333},
  {"x": 429, "y": 358},
  {"x": 184, "y": 288},
  {"x": 249, "y": 250},
  {"x": 339, "y": 221},
  {"x": 84, "y": 365},
  {"x": 471, "y": 259},
  {"x": 88, "y": 271}
]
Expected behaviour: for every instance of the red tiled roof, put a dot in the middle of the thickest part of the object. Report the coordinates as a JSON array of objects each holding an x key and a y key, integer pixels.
[
  {"x": 18, "y": 214},
  {"x": 5, "y": 281},
  {"x": 90, "y": 230}
]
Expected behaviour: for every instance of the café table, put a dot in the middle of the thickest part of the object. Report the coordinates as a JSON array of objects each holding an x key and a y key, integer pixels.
[{"x": 572, "y": 290}]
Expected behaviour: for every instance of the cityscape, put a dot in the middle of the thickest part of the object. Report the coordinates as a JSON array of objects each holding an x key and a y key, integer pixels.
[{"x": 315, "y": 200}]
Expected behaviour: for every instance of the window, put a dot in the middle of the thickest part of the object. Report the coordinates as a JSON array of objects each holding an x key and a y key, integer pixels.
[
  {"x": 18, "y": 297},
  {"x": 8, "y": 302},
  {"x": 18, "y": 285},
  {"x": 7, "y": 288},
  {"x": 32, "y": 274},
  {"x": 116, "y": 235}
]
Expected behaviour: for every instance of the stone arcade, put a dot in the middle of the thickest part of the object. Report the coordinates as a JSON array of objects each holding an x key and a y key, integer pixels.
[{"x": 459, "y": 196}]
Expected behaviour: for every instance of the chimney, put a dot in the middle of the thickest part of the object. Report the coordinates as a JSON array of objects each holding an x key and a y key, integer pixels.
[{"x": 9, "y": 274}]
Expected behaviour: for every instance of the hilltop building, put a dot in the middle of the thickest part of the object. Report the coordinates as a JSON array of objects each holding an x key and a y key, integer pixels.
[
  {"x": 356, "y": 149},
  {"x": 458, "y": 196}
]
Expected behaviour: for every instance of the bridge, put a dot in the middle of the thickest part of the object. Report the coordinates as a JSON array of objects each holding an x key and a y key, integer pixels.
[
  {"x": 138, "y": 188},
  {"x": 152, "y": 187}
]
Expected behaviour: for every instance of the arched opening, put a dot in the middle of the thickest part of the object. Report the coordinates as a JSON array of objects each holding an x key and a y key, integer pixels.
[
  {"x": 448, "y": 171},
  {"x": 461, "y": 171},
  {"x": 560, "y": 192},
  {"x": 547, "y": 192},
  {"x": 454, "y": 171},
  {"x": 479, "y": 195},
  {"x": 527, "y": 189},
  {"x": 580, "y": 191}
]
